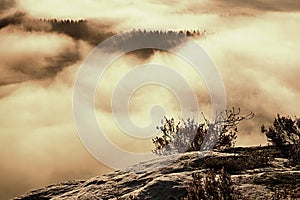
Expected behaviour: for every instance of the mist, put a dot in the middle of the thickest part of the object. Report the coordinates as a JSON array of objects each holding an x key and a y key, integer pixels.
[{"x": 254, "y": 45}]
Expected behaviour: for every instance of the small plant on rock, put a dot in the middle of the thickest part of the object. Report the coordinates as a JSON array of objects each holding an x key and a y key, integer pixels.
[
  {"x": 286, "y": 193},
  {"x": 188, "y": 135},
  {"x": 212, "y": 187},
  {"x": 285, "y": 134}
]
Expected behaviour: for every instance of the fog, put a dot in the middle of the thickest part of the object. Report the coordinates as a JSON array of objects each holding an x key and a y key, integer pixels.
[{"x": 254, "y": 45}]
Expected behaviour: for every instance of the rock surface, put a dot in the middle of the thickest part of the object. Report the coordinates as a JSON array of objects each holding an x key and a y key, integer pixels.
[{"x": 168, "y": 176}]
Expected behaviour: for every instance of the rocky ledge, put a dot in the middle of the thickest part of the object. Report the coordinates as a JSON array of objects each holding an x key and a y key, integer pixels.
[{"x": 256, "y": 172}]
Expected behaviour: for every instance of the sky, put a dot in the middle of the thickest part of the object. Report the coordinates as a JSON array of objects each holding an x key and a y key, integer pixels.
[{"x": 254, "y": 45}]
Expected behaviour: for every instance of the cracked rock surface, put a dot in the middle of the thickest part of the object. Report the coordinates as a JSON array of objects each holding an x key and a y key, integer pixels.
[{"x": 167, "y": 177}]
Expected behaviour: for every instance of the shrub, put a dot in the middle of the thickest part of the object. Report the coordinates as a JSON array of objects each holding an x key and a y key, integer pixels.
[
  {"x": 179, "y": 137},
  {"x": 188, "y": 135},
  {"x": 212, "y": 187},
  {"x": 284, "y": 131},
  {"x": 285, "y": 134},
  {"x": 295, "y": 153},
  {"x": 286, "y": 193}
]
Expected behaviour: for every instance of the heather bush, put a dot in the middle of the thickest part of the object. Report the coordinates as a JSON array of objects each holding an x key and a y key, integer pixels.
[
  {"x": 295, "y": 153},
  {"x": 286, "y": 193},
  {"x": 212, "y": 187},
  {"x": 179, "y": 137},
  {"x": 284, "y": 133},
  {"x": 188, "y": 135}
]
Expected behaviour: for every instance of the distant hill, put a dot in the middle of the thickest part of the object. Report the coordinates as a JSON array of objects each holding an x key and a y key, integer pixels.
[{"x": 92, "y": 31}]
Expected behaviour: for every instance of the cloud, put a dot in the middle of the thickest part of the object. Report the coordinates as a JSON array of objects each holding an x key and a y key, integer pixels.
[
  {"x": 13, "y": 19},
  {"x": 236, "y": 7},
  {"x": 259, "y": 63},
  {"x": 37, "y": 73},
  {"x": 91, "y": 31},
  {"x": 38, "y": 142},
  {"x": 254, "y": 47},
  {"x": 6, "y": 5},
  {"x": 113, "y": 10},
  {"x": 261, "y": 5},
  {"x": 128, "y": 15},
  {"x": 28, "y": 56}
]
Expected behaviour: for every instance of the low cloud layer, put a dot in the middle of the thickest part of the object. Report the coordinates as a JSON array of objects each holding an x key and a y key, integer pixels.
[
  {"x": 261, "y": 5},
  {"x": 31, "y": 56},
  {"x": 7, "y": 4},
  {"x": 255, "y": 46}
]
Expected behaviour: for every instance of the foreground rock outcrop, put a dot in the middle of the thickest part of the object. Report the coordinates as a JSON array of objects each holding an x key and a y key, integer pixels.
[{"x": 256, "y": 172}]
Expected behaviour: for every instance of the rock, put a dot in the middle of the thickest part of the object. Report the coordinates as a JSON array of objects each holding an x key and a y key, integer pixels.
[{"x": 168, "y": 176}]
